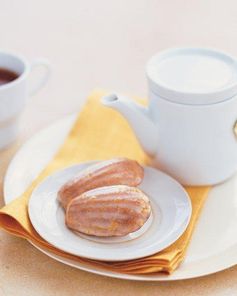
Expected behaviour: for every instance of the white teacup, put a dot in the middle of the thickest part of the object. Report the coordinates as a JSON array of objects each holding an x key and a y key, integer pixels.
[{"x": 13, "y": 94}]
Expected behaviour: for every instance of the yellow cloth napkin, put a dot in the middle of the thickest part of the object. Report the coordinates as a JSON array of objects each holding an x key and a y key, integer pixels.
[{"x": 100, "y": 133}]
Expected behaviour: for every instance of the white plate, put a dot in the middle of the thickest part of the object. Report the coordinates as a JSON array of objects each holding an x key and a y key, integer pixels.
[
  {"x": 171, "y": 209},
  {"x": 214, "y": 243}
]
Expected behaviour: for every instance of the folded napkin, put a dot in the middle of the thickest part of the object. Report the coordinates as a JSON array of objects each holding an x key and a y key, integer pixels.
[{"x": 100, "y": 133}]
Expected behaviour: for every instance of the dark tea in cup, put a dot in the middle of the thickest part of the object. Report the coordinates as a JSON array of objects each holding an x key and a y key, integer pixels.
[{"x": 7, "y": 76}]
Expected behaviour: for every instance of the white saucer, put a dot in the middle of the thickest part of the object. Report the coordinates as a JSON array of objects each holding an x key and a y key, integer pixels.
[
  {"x": 171, "y": 210},
  {"x": 214, "y": 242}
]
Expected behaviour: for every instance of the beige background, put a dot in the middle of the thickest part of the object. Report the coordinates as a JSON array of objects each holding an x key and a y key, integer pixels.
[{"x": 99, "y": 44}]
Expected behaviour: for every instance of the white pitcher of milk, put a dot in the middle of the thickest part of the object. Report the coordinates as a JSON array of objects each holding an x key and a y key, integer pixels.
[{"x": 189, "y": 126}]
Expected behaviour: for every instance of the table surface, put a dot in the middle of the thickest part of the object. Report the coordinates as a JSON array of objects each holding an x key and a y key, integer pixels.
[{"x": 99, "y": 44}]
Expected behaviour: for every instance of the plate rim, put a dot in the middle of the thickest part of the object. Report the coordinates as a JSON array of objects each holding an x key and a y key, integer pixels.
[
  {"x": 69, "y": 119},
  {"x": 124, "y": 276}
]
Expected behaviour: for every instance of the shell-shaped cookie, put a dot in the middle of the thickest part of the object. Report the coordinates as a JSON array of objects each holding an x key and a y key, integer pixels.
[
  {"x": 110, "y": 172},
  {"x": 108, "y": 211}
]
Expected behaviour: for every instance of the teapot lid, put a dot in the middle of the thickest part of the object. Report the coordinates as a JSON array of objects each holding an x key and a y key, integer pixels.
[{"x": 193, "y": 75}]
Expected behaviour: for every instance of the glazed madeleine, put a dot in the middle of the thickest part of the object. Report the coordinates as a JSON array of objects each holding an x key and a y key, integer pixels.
[
  {"x": 110, "y": 172},
  {"x": 108, "y": 211}
]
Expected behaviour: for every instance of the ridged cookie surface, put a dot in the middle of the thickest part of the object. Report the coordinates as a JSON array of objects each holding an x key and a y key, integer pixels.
[
  {"x": 108, "y": 211},
  {"x": 110, "y": 172}
]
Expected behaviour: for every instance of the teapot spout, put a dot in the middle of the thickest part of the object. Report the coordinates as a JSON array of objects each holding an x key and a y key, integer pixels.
[{"x": 139, "y": 119}]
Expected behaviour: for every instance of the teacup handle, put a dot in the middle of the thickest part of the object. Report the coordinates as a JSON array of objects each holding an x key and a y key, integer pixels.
[
  {"x": 235, "y": 128},
  {"x": 40, "y": 63}
]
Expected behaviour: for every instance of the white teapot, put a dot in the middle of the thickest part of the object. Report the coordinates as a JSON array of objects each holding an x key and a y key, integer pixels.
[{"x": 188, "y": 128}]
